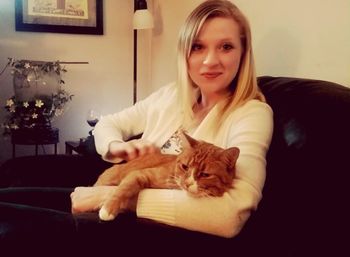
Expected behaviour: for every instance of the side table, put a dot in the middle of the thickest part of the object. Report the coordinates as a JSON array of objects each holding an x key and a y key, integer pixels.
[
  {"x": 72, "y": 146},
  {"x": 85, "y": 146},
  {"x": 34, "y": 136}
]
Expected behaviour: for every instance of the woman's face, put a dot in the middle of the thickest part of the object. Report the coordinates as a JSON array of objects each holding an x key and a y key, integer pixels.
[{"x": 215, "y": 55}]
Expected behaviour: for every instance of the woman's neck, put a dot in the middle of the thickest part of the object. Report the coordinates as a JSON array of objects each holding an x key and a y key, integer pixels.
[
  {"x": 208, "y": 101},
  {"x": 204, "y": 104}
]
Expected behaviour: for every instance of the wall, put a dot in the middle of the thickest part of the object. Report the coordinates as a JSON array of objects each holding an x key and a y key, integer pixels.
[
  {"x": 290, "y": 38},
  {"x": 105, "y": 84}
]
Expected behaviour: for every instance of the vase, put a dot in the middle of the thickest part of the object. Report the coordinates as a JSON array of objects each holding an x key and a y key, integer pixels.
[{"x": 33, "y": 85}]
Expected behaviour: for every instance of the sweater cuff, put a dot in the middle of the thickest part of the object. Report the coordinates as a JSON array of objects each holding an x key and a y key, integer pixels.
[{"x": 156, "y": 204}]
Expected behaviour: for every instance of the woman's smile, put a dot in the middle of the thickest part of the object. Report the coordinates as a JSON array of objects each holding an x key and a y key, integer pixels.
[{"x": 211, "y": 75}]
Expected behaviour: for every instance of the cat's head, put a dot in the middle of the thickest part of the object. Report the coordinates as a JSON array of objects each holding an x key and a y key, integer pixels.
[{"x": 203, "y": 169}]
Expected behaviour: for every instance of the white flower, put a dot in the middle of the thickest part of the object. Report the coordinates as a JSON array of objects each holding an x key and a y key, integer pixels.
[
  {"x": 10, "y": 102},
  {"x": 34, "y": 116},
  {"x": 38, "y": 103},
  {"x": 26, "y": 104},
  {"x": 27, "y": 65}
]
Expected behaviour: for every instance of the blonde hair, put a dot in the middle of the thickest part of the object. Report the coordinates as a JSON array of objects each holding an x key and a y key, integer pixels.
[{"x": 244, "y": 86}]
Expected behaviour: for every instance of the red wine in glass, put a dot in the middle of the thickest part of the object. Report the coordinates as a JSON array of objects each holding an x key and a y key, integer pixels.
[
  {"x": 92, "y": 118},
  {"x": 92, "y": 123}
]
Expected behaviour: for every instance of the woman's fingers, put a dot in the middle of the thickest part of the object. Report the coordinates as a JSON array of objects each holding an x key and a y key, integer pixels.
[{"x": 132, "y": 149}]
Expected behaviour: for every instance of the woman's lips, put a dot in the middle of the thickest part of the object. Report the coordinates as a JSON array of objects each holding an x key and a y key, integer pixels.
[{"x": 211, "y": 75}]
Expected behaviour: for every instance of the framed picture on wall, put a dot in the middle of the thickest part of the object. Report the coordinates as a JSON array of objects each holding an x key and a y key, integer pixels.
[{"x": 60, "y": 16}]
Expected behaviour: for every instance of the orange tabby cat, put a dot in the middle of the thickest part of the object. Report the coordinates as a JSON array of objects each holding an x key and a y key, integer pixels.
[{"x": 202, "y": 169}]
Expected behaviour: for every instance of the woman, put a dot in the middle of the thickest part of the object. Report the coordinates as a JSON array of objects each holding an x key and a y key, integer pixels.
[{"x": 216, "y": 99}]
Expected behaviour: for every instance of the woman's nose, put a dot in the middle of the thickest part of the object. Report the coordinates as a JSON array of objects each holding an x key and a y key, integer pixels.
[{"x": 211, "y": 58}]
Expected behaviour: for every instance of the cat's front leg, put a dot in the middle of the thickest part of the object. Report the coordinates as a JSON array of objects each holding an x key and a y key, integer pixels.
[
  {"x": 123, "y": 194},
  {"x": 111, "y": 207},
  {"x": 109, "y": 211}
]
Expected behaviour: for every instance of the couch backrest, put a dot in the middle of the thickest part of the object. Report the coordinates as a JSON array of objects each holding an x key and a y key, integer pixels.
[
  {"x": 308, "y": 112},
  {"x": 311, "y": 119},
  {"x": 309, "y": 157}
]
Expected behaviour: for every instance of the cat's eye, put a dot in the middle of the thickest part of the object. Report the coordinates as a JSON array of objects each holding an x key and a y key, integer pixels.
[
  {"x": 184, "y": 167},
  {"x": 203, "y": 175}
]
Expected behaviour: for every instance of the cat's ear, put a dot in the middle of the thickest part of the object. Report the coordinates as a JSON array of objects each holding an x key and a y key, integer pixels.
[
  {"x": 187, "y": 141},
  {"x": 230, "y": 156}
]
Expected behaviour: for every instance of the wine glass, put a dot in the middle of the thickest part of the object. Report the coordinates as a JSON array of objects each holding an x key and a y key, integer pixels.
[{"x": 92, "y": 117}]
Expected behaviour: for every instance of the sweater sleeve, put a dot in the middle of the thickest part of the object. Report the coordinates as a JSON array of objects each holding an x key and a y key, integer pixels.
[
  {"x": 118, "y": 127},
  {"x": 129, "y": 122},
  {"x": 251, "y": 131}
]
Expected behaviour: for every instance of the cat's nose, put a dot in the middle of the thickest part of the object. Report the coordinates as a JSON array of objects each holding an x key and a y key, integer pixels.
[
  {"x": 189, "y": 181},
  {"x": 192, "y": 188}
]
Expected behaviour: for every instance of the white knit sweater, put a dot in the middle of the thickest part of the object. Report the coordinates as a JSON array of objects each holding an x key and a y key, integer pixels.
[{"x": 158, "y": 117}]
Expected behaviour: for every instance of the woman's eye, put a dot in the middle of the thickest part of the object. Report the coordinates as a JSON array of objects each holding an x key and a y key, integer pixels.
[
  {"x": 196, "y": 47},
  {"x": 227, "y": 47}
]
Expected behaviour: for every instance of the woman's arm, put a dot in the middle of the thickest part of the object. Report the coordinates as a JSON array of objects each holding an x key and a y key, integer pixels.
[
  {"x": 89, "y": 199},
  {"x": 112, "y": 131},
  {"x": 116, "y": 128},
  {"x": 222, "y": 216}
]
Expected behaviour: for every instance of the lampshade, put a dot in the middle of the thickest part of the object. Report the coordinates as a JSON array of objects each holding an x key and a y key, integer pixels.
[{"x": 143, "y": 18}]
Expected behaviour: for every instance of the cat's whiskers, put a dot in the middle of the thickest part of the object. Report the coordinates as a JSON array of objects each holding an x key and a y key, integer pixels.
[
  {"x": 209, "y": 195},
  {"x": 173, "y": 181},
  {"x": 203, "y": 194},
  {"x": 176, "y": 178}
]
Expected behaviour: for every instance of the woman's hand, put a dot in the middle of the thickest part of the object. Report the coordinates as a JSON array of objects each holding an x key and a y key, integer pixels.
[
  {"x": 131, "y": 149},
  {"x": 89, "y": 199}
]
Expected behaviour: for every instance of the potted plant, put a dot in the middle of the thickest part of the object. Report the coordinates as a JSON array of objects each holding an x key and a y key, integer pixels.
[{"x": 39, "y": 95}]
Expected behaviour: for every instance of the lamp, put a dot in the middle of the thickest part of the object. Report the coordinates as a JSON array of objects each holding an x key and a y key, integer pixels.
[{"x": 142, "y": 19}]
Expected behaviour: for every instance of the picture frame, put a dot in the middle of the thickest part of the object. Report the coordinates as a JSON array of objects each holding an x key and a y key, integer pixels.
[{"x": 60, "y": 16}]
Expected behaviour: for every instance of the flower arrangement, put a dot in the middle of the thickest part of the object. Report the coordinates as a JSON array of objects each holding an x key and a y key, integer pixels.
[{"x": 39, "y": 96}]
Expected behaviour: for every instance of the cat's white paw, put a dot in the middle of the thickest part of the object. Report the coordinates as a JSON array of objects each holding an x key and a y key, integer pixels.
[{"x": 105, "y": 215}]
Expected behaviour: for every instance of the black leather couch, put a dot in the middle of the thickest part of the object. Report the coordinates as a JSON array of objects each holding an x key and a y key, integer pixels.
[{"x": 306, "y": 196}]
